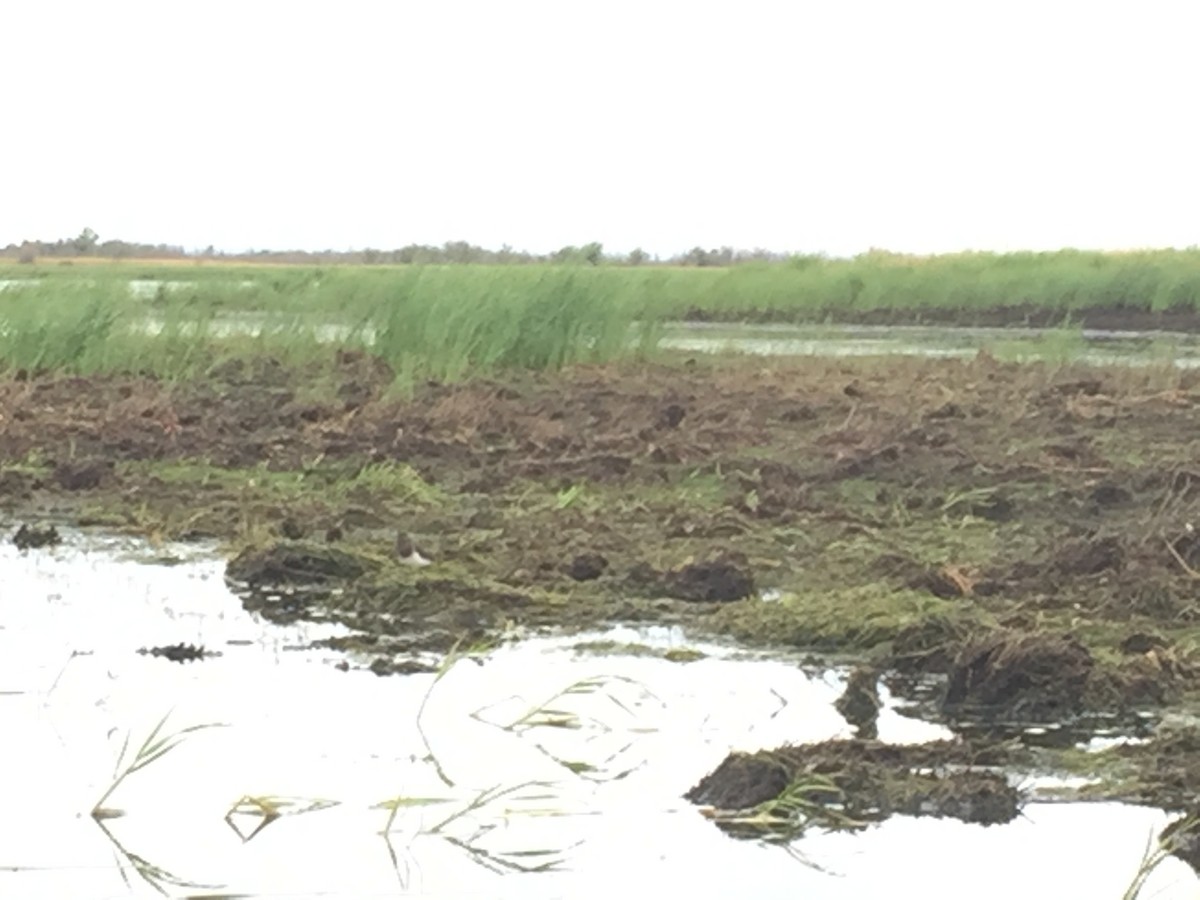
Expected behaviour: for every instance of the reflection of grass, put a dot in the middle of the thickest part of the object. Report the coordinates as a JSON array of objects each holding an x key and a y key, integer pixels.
[
  {"x": 461, "y": 827},
  {"x": 156, "y": 745},
  {"x": 561, "y": 712},
  {"x": 265, "y": 809},
  {"x": 157, "y": 877}
]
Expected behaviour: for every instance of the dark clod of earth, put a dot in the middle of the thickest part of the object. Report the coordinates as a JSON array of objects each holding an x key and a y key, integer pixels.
[
  {"x": 83, "y": 475},
  {"x": 179, "y": 653},
  {"x": 859, "y": 704},
  {"x": 723, "y": 578},
  {"x": 587, "y": 567},
  {"x": 291, "y": 564},
  {"x": 1019, "y": 676},
  {"x": 848, "y": 783},
  {"x": 30, "y": 537}
]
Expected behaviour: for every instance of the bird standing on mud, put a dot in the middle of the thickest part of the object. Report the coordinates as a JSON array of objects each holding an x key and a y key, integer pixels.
[{"x": 407, "y": 552}]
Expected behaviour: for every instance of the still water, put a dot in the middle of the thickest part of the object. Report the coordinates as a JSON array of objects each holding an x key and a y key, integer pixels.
[{"x": 580, "y": 802}]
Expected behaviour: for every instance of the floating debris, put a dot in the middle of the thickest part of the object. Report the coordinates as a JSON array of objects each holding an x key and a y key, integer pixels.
[{"x": 179, "y": 653}]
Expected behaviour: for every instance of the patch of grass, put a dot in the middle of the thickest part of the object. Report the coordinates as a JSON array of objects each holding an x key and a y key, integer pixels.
[
  {"x": 451, "y": 322},
  {"x": 853, "y": 619}
]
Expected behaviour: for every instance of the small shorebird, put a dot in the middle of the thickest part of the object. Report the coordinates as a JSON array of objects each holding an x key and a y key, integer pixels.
[{"x": 407, "y": 552}]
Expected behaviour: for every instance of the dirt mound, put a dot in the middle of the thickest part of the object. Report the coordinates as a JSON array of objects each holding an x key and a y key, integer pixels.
[
  {"x": 845, "y": 782},
  {"x": 1091, "y": 556},
  {"x": 722, "y": 578},
  {"x": 1182, "y": 838},
  {"x": 859, "y": 703},
  {"x": 31, "y": 537},
  {"x": 718, "y": 580},
  {"x": 743, "y": 781},
  {"x": 1019, "y": 676},
  {"x": 83, "y": 475},
  {"x": 587, "y": 567},
  {"x": 294, "y": 564}
]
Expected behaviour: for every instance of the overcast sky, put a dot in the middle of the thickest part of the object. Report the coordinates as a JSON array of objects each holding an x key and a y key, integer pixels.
[{"x": 829, "y": 126}]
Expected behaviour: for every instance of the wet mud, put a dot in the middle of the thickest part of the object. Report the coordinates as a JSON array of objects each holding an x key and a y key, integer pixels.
[
  {"x": 1024, "y": 534},
  {"x": 851, "y": 783}
]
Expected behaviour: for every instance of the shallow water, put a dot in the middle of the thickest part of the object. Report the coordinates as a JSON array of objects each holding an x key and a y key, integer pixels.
[
  {"x": 1021, "y": 344},
  {"x": 949, "y": 342},
  {"x": 601, "y": 799},
  {"x": 1136, "y": 348}
]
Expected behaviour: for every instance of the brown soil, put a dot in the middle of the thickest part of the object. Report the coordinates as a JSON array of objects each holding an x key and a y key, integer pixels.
[
  {"x": 1022, "y": 676},
  {"x": 917, "y": 511},
  {"x": 853, "y": 782}
]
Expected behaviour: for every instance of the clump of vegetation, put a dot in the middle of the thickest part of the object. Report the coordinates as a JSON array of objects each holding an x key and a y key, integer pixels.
[{"x": 845, "y": 784}]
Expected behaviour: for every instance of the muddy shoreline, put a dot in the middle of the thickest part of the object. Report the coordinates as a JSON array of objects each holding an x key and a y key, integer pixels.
[{"x": 1024, "y": 532}]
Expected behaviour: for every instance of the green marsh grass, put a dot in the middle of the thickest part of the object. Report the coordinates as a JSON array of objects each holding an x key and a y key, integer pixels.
[
  {"x": 803, "y": 288},
  {"x": 450, "y": 322},
  {"x": 485, "y": 320}
]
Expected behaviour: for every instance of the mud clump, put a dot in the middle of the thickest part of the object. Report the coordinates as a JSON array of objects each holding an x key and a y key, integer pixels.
[
  {"x": 587, "y": 567},
  {"x": 1108, "y": 494},
  {"x": 83, "y": 475},
  {"x": 384, "y": 666},
  {"x": 742, "y": 781},
  {"x": 1019, "y": 676},
  {"x": 291, "y": 529},
  {"x": 947, "y": 582},
  {"x": 856, "y": 781},
  {"x": 719, "y": 580},
  {"x": 1182, "y": 838},
  {"x": 671, "y": 416},
  {"x": 1091, "y": 557},
  {"x": 30, "y": 537},
  {"x": 179, "y": 653},
  {"x": 859, "y": 703},
  {"x": 1187, "y": 548},
  {"x": 1162, "y": 772},
  {"x": 293, "y": 564},
  {"x": 722, "y": 578},
  {"x": 16, "y": 485},
  {"x": 1143, "y": 642},
  {"x": 995, "y": 508}
]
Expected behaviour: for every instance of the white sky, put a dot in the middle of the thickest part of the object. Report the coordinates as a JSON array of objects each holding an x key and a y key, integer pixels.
[{"x": 829, "y": 126}]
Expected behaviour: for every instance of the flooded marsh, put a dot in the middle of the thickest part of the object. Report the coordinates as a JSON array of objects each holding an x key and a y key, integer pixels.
[
  {"x": 730, "y": 622},
  {"x": 507, "y": 776}
]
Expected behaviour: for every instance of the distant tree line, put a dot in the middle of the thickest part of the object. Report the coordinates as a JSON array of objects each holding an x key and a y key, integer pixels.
[{"x": 87, "y": 245}]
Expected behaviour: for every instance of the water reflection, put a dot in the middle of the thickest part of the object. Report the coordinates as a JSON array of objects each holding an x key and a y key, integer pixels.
[{"x": 546, "y": 768}]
